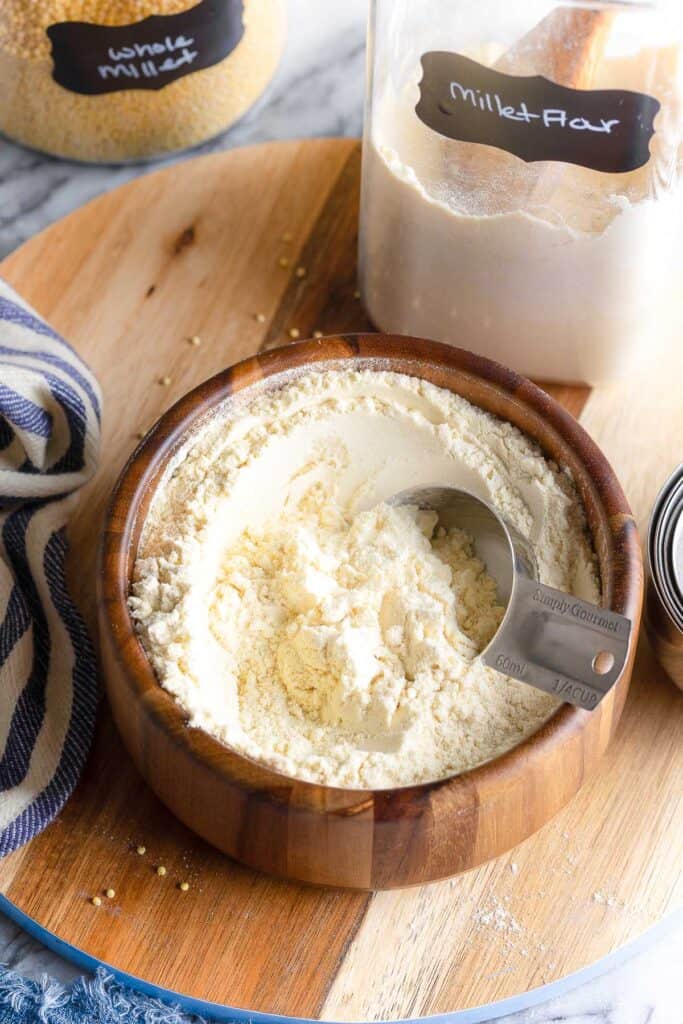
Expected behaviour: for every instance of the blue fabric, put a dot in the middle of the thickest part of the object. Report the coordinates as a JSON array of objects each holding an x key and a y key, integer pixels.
[{"x": 99, "y": 1000}]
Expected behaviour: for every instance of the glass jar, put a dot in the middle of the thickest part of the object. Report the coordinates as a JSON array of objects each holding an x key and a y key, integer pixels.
[
  {"x": 522, "y": 178},
  {"x": 121, "y": 80}
]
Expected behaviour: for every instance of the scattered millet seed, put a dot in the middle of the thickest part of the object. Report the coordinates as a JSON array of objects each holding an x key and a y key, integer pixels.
[
  {"x": 261, "y": 318},
  {"x": 184, "y": 886},
  {"x": 142, "y": 850},
  {"x": 294, "y": 332},
  {"x": 161, "y": 870},
  {"x": 96, "y": 901},
  {"x": 300, "y": 271},
  {"x": 283, "y": 261},
  {"x": 164, "y": 381},
  {"x": 287, "y": 237},
  {"x": 140, "y": 435},
  {"x": 195, "y": 340},
  {"x": 110, "y": 893},
  {"x": 317, "y": 334}
]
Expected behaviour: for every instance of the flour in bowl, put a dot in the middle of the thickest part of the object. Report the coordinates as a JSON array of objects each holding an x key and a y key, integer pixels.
[{"x": 301, "y": 620}]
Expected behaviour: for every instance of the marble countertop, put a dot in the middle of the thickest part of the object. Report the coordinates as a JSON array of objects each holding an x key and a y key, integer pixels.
[{"x": 318, "y": 91}]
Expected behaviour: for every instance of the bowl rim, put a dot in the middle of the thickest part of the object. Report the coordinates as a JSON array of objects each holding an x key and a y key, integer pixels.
[{"x": 146, "y": 466}]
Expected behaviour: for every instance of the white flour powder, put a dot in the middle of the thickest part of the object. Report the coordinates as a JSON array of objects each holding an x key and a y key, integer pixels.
[{"x": 335, "y": 639}]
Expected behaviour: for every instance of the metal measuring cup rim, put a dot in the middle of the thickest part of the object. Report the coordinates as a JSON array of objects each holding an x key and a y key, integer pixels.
[{"x": 665, "y": 535}]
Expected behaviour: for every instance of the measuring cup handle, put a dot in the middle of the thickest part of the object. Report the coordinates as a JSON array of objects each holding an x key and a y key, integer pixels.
[{"x": 560, "y": 644}]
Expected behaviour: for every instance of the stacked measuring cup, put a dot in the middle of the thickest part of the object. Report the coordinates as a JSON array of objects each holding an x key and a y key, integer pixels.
[{"x": 664, "y": 608}]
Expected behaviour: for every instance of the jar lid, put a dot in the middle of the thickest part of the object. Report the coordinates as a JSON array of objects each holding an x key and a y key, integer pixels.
[{"x": 665, "y": 547}]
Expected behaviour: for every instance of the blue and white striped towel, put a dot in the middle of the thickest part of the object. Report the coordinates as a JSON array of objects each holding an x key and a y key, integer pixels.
[{"x": 49, "y": 443}]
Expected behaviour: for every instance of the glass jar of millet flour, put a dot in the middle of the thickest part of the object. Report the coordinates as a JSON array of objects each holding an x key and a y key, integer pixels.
[{"x": 522, "y": 175}]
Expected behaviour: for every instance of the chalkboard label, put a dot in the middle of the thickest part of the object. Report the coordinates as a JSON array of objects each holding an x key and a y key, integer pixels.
[
  {"x": 534, "y": 118},
  {"x": 149, "y": 54}
]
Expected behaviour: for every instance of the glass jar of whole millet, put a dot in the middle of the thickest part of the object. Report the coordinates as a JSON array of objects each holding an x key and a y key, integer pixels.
[{"x": 122, "y": 80}]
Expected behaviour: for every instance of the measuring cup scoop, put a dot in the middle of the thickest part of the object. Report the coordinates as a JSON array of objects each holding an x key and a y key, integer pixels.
[{"x": 553, "y": 641}]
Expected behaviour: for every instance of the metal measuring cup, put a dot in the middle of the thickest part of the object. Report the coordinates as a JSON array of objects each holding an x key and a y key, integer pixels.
[
  {"x": 664, "y": 607},
  {"x": 550, "y": 640}
]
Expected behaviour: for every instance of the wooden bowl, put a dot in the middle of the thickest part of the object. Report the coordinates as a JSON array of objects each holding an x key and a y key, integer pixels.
[{"x": 364, "y": 839}]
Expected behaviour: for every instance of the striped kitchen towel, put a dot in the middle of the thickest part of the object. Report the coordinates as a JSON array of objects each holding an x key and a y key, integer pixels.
[{"x": 49, "y": 442}]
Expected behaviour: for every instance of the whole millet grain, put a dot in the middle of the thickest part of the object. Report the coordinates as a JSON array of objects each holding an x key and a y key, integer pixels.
[{"x": 133, "y": 123}]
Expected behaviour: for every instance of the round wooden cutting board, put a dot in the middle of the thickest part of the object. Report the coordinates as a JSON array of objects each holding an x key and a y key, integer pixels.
[{"x": 196, "y": 250}]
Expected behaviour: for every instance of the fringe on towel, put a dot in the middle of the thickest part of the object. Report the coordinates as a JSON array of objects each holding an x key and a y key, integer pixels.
[{"x": 97, "y": 1000}]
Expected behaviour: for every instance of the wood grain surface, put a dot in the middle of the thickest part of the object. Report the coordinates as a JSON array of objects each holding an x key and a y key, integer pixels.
[{"x": 195, "y": 250}]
